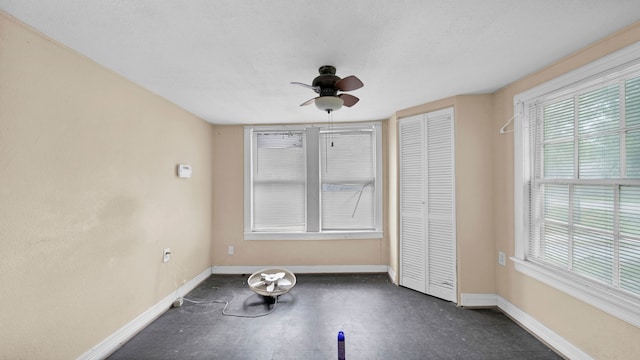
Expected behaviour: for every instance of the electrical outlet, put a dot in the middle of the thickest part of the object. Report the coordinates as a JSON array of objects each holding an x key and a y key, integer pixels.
[
  {"x": 501, "y": 258},
  {"x": 178, "y": 302},
  {"x": 166, "y": 255},
  {"x": 230, "y": 250}
]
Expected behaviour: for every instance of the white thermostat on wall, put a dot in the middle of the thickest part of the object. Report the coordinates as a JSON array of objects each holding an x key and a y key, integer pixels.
[{"x": 184, "y": 170}]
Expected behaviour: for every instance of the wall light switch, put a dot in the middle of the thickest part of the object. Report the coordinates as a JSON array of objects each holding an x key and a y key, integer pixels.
[
  {"x": 502, "y": 258},
  {"x": 166, "y": 255},
  {"x": 230, "y": 250},
  {"x": 184, "y": 171}
]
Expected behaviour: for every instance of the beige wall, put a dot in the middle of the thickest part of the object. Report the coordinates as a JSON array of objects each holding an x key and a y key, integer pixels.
[
  {"x": 596, "y": 333},
  {"x": 474, "y": 197},
  {"x": 89, "y": 198},
  {"x": 228, "y": 228}
]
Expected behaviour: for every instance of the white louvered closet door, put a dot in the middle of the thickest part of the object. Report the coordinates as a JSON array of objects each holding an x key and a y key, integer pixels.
[
  {"x": 412, "y": 206},
  {"x": 441, "y": 237},
  {"x": 427, "y": 219}
]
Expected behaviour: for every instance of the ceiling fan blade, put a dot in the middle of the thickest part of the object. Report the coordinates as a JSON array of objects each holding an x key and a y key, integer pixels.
[
  {"x": 349, "y": 83},
  {"x": 349, "y": 100},
  {"x": 314, "y": 88},
  {"x": 279, "y": 275},
  {"x": 257, "y": 283},
  {"x": 310, "y": 101},
  {"x": 284, "y": 282},
  {"x": 271, "y": 287}
]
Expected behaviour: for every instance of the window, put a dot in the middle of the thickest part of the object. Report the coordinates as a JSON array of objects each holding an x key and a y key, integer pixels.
[
  {"x": 313, "y": 182},
  {"x": 578, "y": 184}
]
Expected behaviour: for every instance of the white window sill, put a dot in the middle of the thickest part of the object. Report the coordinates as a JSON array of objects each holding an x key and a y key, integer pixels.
[
  {"x": 625, "y": 307},
  {"x": 327, "y": 235}
]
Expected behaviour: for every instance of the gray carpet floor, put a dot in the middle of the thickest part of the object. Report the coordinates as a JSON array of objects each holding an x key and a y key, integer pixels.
[{"x": 380, "y": 321}]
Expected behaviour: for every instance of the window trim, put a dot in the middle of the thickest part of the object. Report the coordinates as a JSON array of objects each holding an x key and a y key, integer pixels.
[
  {"x": 378, "y": 233},
  {"x": 605, "y": 298}
]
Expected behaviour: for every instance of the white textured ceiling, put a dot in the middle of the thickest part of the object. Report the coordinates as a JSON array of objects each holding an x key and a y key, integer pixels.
[{"x": 231, "y": 61}]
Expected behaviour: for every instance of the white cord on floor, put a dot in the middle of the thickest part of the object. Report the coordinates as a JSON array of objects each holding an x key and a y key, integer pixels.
[{"x": 226, "y": 303}]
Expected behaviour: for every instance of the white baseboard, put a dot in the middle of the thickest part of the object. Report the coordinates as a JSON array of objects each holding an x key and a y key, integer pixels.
[
  {"x": 392, "y": 275},
  {"x": 478, "y": 300},
  {"x": 545, "y": 334},
  {"x": 305, "y": 269},
  {"x": 526, "y": 321},
  {"x": 117, "y": 339}
]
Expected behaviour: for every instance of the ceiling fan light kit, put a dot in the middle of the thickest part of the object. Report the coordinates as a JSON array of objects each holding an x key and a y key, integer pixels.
[{"x": 328, "y": 103}]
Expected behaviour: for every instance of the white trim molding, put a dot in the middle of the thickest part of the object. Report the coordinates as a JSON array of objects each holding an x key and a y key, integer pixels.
[
  {"x": 302, "y": 269},
  {"x": 478, "y": 300},
  {"x": 557, "y": 342},
  {"x": 392, "y": 275},
  {"x": 112, "y": 343},
  {"x": 325, "y": 235},
  {"x": 601, "y": 297},
  {"x": 551, "y": 338}
]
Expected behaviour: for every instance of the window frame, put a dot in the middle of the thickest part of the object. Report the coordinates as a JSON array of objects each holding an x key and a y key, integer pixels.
[
  {"x": 315, "y": 199},
  {"x": 608, "y": 299}
]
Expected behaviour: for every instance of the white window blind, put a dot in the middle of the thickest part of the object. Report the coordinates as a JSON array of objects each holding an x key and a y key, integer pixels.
[
  {"x": 279, "y": 175},
  {"x": 584, "y": 204},
  {"x": 348, "y": 179}
]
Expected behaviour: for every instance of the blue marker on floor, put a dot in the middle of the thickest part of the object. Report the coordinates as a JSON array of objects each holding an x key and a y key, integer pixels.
[{"x": 341, "y": 355}]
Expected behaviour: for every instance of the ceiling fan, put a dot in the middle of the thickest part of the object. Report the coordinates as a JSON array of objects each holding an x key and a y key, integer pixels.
[{"x": 327, "y": 85}]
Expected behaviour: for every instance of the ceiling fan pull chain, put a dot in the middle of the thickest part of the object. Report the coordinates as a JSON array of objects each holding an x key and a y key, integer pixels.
[{"x": 330, "y": 126}]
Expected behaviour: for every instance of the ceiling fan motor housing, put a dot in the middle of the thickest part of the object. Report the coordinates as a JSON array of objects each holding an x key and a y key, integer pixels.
[{"x": 326, "y": 81}]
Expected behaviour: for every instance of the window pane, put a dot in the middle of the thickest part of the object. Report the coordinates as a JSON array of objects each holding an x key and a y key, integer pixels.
[
  {"x": 630, "y": 210},
  {"x": 632, "y": 102},
  {"x": 554, "y": 243},
  {"x": 348, "y": 207},
  {"x": 593, "y": 207},
  {"x": 599, "y": 110},
  {"x": 347, "y": 176},
  {"x": 556, "y": 202},
  {"x": 599, "y": 157},
  {"x": 593, "y": 255},
  {"x": 593, "y": 252},
  {"x": 279, "y": 156},
  {"x": 279, "y": 182},
  {"x": 558, "y": 160},
  {"x": 559, "y": 119},
  {"x": 555, "y": 247},
  {"x": 633, "y": 154},
  {"x": 351, "y": 156},
  {"x": 630, "y": 265},
  {"x": 279, "y": 207}
]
